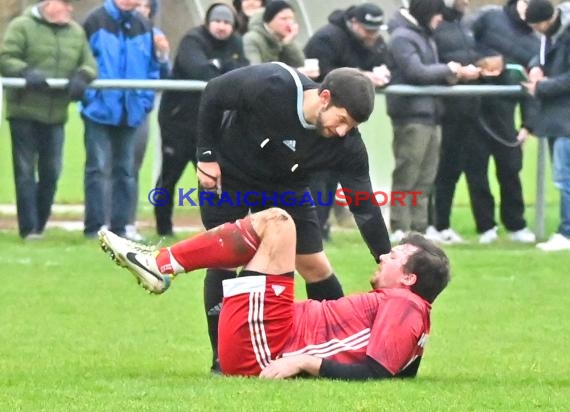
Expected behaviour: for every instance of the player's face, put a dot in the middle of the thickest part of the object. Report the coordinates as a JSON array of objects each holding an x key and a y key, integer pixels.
[
  {"x": 334, "y": 121},
  {"x": 390, "y": 272},
  {"x": 220, "y": 29}
]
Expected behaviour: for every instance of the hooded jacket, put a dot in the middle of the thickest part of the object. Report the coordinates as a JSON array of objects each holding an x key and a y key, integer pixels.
[
  {"x": 553, "y": 93},
  {"x": 123, "y": 46},
  {"x": 261, "y": 46},
  {"x": 200, "y": 56},
  {"x": 455, "y": 42},
  {"x": 31, "y": 42},
  {"x": 501, "y": 30},
  {"x": 415, "y": 61},
  {"x": 335, "y": 45}
]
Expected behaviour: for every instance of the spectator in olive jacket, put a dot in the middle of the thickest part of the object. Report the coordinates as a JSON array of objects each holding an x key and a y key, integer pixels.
[{"x": 43, "y": 42}]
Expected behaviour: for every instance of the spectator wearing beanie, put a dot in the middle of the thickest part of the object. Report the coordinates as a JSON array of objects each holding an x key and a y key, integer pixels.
[
  {"x": 416, "y": 119},
  {"x": 271, "y": 36},
  {"x": 549, "y": 83},
  {"x": 205, "y": 52},
  {"x": 502, "y": 30}
]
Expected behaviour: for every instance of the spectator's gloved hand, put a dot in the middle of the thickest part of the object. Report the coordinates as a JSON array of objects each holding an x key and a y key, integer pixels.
[
  {"x": 35, "y": 80},
  {"x": 78, "y": 82}
]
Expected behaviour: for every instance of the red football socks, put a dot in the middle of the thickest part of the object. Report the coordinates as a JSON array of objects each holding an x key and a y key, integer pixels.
[{"x": 226, "y": 246}]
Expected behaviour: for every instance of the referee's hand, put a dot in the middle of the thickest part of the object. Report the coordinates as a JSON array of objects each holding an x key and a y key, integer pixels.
[{"x": 209, "y": 176}]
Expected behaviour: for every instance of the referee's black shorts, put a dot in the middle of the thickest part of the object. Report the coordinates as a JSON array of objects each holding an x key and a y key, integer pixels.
[{"x": 217, "y": 212}]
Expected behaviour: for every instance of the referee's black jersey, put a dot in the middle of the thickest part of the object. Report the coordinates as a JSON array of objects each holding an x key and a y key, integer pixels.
[{"x": 251, "y": 119}]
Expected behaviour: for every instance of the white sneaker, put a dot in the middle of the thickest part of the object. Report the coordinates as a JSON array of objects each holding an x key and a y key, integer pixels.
[
  {"x": 555, "y": 243},
  {"x": 132, "y": 233},
  {"x": 450, "y": 236},
  {"x": 489, "y": 236},
  {"x": 432, "y": 234},
  {"x": 142, "y": 264},
  {"x": 397, "y": 236},
  {"x": 523, "y": 236}
]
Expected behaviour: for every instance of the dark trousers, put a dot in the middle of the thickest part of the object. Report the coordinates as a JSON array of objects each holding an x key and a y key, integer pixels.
[
  {"x": 35, "y": 144},
  {"x": 454, "y": 135},
  {"x": 178, "y": 149},
  {"x": 508, "y": 164}
]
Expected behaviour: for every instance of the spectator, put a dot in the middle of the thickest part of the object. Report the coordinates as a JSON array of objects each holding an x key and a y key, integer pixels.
[
  {"x": 416, "y": 119},
  {"x": 122, "y": 42},
  {"x": 272, "y": 37},
  {"x": 43, "y": 42},
  {"x": 245, "y": 9},
  {"x": 504, "y": 31},
  {"x": 351, "y": 39},
  {"x": 549, "y": 82},
  {"x": 148, "y": 9},
  {"x": 460, "y": 121},
  {"x": 205, "y": 52},
  {"x": 264, "y": 332}
]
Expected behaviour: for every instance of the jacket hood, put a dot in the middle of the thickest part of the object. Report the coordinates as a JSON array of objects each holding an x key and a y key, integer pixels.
[
  {"x": 564, "y": 16},
  {"x": 220, "y": 3},
  {"x": 35, "y": 13},
  {"x": 338, "y": 18},
  {"x": 117, "y": 13}
]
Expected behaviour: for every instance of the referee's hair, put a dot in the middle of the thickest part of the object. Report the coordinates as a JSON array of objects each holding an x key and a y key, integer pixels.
[{"x": 351, "y": 90}]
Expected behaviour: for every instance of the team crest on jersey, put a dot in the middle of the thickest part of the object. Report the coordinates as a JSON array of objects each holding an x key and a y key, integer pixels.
[
  {"x": 291, "y": 144},
  {"x": 278, "y": 289}
]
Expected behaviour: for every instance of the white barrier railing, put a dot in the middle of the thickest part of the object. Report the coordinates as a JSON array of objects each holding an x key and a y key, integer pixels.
[{"x": 460, "y": 90}]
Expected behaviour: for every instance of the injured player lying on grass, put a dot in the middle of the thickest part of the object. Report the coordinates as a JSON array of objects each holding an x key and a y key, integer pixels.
[{"x": 264, "y": 332}]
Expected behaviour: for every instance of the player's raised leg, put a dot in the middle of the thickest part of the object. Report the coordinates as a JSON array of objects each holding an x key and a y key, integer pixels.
[{"x": 257, "y": 239}]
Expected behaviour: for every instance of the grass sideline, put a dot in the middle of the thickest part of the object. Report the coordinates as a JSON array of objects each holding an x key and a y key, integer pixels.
[{"x": 79, "y": 335}]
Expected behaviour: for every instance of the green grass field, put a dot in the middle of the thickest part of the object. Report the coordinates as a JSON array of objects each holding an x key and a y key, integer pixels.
[{"x": 77, "y": 334}]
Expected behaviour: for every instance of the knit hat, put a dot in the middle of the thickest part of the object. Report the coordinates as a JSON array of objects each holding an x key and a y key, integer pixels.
[
  {"x": 221, "y": 12},
  {"x": 538, "y": 11},
  {"x": 369, "y": 15},
  {"x": 424, "y": 10},
  {"x": 274, "y": 7}
]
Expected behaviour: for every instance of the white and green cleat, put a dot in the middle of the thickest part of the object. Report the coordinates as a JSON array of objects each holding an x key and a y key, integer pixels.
[{"x": 138, "y": 258}]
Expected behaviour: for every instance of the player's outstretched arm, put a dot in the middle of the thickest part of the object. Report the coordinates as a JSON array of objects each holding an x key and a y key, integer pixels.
[{"x": 294, "y": 365}]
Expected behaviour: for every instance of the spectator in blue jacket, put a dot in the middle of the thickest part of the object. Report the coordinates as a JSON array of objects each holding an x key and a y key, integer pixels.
[{"x": 122, "y": 43}]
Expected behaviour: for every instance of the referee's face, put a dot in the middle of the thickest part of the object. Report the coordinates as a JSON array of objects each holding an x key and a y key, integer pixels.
[{"x": 334, "y": 121}]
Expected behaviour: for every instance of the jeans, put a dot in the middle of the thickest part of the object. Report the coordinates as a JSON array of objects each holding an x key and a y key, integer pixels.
[
  {"x": 110, "y": 154},
  {"x": 35, "y": 144},
  {"x": 561, "y": 160}
]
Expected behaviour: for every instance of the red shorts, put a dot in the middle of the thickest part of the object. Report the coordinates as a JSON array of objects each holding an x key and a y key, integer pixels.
[{"x": 255, "y": 322}]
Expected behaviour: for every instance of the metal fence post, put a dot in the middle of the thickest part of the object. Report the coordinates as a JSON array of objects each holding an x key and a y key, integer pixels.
[{"x": 540, "y": 205}]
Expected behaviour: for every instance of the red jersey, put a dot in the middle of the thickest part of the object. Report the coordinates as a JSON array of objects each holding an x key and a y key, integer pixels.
[{"x": 389, "y": 325}]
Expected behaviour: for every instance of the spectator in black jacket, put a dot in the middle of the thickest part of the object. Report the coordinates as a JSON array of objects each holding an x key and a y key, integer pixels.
[
  {"x": 416, "y": 119},
  {"x": 205, "y": 52},
  {"x": 550, "y": 83},
  {"x": 460, "y": 121},
  {"x": 503, "y": 30},
  {"x": 352, "y": 38}
]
